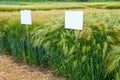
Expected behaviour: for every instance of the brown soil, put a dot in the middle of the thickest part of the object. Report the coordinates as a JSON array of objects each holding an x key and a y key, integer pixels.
[{"x": 9, "y": 70}]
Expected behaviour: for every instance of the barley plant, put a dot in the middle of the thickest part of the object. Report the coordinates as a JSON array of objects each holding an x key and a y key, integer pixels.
[
  {"x": 81, "y": 55},
  {"x": 90, "y": 54},
  {"x": 13, "y": 40}
]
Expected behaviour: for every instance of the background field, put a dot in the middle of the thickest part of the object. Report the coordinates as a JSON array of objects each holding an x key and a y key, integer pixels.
[
  {"x": 90, "y": 54},
  {"x": 43, "y": 12}
]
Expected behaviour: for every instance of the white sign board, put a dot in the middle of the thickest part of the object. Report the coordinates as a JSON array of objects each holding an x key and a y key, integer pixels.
[
  {"x": 25, "y": 17},
  {"x": 74, "y": 20}
]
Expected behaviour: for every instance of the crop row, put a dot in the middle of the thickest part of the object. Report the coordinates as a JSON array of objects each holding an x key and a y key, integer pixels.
[
  {"x": 90, "y": 54},
  {"x": 60, "y": 6}
]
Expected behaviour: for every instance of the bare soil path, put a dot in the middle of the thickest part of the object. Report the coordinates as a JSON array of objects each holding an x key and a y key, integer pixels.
[{"x": 9, "y": 70}]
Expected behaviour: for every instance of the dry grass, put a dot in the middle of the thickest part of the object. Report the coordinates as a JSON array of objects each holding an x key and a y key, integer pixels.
[
  {"x": 9, "y": 70},
  {"x": 40, "y": 17}
]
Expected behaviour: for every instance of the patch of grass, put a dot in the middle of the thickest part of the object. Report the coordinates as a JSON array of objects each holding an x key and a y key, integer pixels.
[
  {"x": 58, "y": 6},
  {"x": 97, "y": 6},
  {"x": 117, "y": 6}
]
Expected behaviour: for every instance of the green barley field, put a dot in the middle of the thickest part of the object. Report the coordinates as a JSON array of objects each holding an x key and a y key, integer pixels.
[{"x": 89, "y": 54}]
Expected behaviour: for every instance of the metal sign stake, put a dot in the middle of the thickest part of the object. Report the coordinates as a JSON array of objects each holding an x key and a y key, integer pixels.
[{"x": 27, "y": 32}]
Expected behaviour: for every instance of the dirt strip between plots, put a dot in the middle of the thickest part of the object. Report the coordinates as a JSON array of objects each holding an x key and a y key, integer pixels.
[{"x": 10, "y": 70}]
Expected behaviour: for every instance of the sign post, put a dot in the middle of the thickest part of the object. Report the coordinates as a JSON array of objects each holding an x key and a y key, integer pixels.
[
  {"x": 27, "y": 31},
  {"x": 74, "y": 20},
  {"x": 26, "y": 19}
]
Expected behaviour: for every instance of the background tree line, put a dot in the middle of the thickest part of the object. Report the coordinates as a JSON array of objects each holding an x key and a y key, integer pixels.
[{"x": 61, "y": 0}]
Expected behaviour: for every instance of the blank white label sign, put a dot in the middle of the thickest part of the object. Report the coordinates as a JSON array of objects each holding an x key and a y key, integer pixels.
[
  {"x": 74, "y": 20},
  {"x": 25, "y": 17}
]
